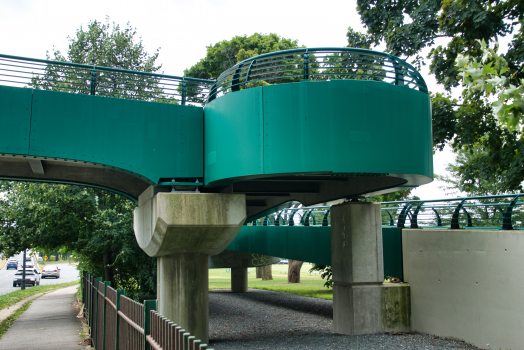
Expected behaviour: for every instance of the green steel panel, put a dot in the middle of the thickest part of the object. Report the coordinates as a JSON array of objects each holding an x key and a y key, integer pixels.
[
  {"x": 15, "y": 119},
  {"x": 392, "y": 247},
  {"x": 233, "y": 135},
  {"x": 311, "y": 244},
  {"x": 347, "y": 126},
  {"x": 304, "y": 243},
  {"x": 339, "y": 126},
  {"x": 154, "y": 140}
]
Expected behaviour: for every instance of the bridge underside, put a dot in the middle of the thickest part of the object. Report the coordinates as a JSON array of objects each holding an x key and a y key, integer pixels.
[{"x": 41, "y": 169}]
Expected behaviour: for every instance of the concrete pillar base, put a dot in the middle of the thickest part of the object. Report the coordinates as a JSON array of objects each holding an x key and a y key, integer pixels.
[
  {"x": 239, "y": 279},
  {"x": 362, "y": 304},
  {"x": 372, "y": 308},
  {"x": 183, "y": 294}
]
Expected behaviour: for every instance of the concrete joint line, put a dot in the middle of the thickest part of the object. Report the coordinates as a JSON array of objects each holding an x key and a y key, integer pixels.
[{"x": 349, "y": 284}]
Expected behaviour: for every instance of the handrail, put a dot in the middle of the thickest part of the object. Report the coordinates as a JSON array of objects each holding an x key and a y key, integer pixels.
[
  {"x": 102, "y": 81},
  {"x": 504, "y": 212},
  {"x": 317, "y": 64}
]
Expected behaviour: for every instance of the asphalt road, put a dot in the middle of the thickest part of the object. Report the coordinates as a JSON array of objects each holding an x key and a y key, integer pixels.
[{"x": 67, "y": 274}]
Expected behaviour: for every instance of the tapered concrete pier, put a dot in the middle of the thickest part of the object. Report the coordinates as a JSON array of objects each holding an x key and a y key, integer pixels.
[{"x": 182, "y": 230}]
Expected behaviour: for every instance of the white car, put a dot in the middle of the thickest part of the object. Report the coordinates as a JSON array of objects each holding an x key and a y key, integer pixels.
[{"x": 51, "y": 271}]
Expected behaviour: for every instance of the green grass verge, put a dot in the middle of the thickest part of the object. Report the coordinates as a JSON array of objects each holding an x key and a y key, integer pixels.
[
  {"x": 5, "y": 324},
  {"x": 311, "y": 285},
  {"x": 12, "y": 298}
]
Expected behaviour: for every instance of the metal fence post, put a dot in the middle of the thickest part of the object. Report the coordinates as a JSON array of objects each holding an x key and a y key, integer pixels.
[
  {"x": 455, "y": 218},
  {"x": 106, "y": 284},
  {"x": 93, "y": 81},
  {"x": 119, "y": 292},
  {"x": 184, "y": 92},
  {"x": 95, "y": 313},
  {"x": 149, "y": 305},
  {"x": 506, "y": 216},
  {"x": 306, "y": 65}
]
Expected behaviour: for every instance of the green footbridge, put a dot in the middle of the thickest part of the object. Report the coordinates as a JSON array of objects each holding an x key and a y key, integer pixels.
[{"x": 299, "y": 126}]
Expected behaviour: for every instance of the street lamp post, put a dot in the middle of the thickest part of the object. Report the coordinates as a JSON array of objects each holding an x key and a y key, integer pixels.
[{"x": 22, "y": 286}]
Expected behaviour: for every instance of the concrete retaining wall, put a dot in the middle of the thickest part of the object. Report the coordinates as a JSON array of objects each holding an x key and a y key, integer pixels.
[{"x": 467, "y": 284}]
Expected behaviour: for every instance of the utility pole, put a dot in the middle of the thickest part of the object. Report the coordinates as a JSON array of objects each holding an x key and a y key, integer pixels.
[{"x": 22, "y": 286}]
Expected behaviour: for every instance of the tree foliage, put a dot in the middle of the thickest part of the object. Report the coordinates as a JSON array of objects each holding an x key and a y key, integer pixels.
[
  {"x": 95, "y": 225},
  {"x": 227, "y": 53},
  {"x": 452, "y": 31},
  {"x": 106, "y": 45}
]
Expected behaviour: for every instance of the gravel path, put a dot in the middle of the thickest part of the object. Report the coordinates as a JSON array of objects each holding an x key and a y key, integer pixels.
[{"x": 263, "y": 319}]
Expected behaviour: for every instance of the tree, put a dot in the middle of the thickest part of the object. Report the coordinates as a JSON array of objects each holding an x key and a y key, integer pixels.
[
  {"x": 293, "y": 271},
  {"x": 469, "y": 123},
  {"x": 227, "y": 53},
  {"x": 94, "y": 225},
  {"x": 106, "y": 45}
]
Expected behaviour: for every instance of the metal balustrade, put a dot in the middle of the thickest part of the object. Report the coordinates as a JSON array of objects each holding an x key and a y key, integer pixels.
[
  {"x": 117, "y": 322},
  {"x": 101, "y": 81},
  {"x": 317, "y": 64},
  {"x": 484, "y": 212}
]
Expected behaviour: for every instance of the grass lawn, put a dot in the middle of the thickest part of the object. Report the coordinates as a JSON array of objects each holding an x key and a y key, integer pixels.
[
  {"x": 9, "y": 299},
  {"x": 311, "y": 285}
]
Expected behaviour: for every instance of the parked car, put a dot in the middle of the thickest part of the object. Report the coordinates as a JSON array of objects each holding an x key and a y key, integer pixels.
[
  {"x": 51, "y": 271},
  {"x": 32, "y": 278},
  {"x": 285, "y": 261},
  {"x": 12, "y": 264}
]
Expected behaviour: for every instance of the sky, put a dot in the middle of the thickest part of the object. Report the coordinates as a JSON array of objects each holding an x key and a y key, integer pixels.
[{"x": 183, "y": 29}]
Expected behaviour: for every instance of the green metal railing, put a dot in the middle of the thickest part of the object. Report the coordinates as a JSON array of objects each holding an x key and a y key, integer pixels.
[
  {"x": 504, "y": 212},
  {"x": 117, "y": 322},
  {"x": 101, "y": 81},
  {"x": 317, "y": 64}
]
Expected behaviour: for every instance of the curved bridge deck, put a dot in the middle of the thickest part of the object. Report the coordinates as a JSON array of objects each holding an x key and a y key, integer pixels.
[{"x": 306, "y": 125}]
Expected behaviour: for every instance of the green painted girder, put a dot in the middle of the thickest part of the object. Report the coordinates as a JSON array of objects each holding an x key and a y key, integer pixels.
[
  {"x": 147, "y": 139},
  {"x": 311, "y": 244},
  {"x": 339, "y": 127}
]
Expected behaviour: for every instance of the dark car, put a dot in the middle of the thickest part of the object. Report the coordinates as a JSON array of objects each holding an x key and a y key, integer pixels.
[
  {"x": 32, "y": 278},
  {"x": 12, "y": 264}
]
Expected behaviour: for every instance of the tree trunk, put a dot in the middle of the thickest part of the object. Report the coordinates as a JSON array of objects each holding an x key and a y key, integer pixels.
[
  {"x": 266, "y": 273},
  {"x": 293, "y": 271},
  {"x": 258, "y": 272},
  {"x": 108, "y": 271}
]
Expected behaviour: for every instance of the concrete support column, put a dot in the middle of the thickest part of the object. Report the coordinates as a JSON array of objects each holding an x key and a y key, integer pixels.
[
  {"x": 359, "y": 298},
  {"x": 182, "y": 230},
  {"x": 239, "y": 279},
  {"x": 183, "y": 292}
]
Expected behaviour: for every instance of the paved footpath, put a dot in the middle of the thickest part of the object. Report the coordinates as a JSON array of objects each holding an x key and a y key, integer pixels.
[{"x": 50, "y": 323}]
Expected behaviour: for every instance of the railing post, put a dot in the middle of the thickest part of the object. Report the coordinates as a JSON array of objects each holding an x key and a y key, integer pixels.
[
  {"x": 401, "y": 222},
  {"x": 455, "y": 218},
  {"x": 439, "y": 220},
  {"x": 119, "y": 292},
  {"x": 212, "y": 92},
  {"x": 399, "y": 74},
  {"x": 306, "y": 65},
  {"x": 325, "y": 218},
  {"x": 93, "y": 81},
  {"x": 414, "y": 217},
  {"x": 106, "y": 284},
  {"x": 506, "y": 216},
  {"x": 149, "y": 305},
  {"x": 94, "y": 327},
  {"x": 235, "y": 83},
  {"x": 184, "y": 92}
]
